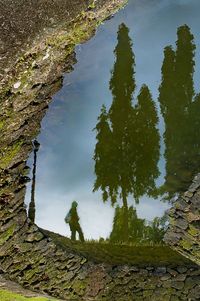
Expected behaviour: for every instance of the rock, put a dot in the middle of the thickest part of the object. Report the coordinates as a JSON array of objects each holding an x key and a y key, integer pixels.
[
  {"x": 172, "y": 238},
  {"x": 161, "y": 270},
  {"x": 195, "y": 293},
  {"x": 181, "y": 223},
  {"x": 36, "y": 236},
  {"x": 165, "y": 277},
  {"x": 188, "y": 194},
  {"x": 172, "y": 272},
  {"x": 180, "y": 277},
  {"x": 193, "y": 217},
  {"x": 182, "y": 269},
  {"x": 17, "y": 85},
  {"x": 177, "y": 284}
]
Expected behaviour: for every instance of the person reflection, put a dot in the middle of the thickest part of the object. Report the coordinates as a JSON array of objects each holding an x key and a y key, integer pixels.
[{"x": 72, "y": 219}]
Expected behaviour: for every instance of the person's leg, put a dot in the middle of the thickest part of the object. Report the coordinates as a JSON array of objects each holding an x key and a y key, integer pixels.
[
  {"x": 80, "y": 232},
  {"x": 73, "y": 232}
]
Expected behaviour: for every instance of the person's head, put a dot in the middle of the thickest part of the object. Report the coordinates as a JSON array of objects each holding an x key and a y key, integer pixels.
[{"x": 74, "y": 204}]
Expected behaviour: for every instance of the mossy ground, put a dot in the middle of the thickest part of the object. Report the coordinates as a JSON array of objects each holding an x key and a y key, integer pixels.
[
  {"x": 9, "y": 296},
  {"x": 141, "y": 256}
]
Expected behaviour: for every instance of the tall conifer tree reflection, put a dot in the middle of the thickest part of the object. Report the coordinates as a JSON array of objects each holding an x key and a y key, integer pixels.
[
  {"x": 135, "y": 226},
  {"x": 178, "y": 102},
  {"x": 127, "y": 148},
  {"x": 104, "y": 162},
  {"x": 122, "y": 86},
  {"x": 139, "y": 231},
  {"x": 145, "y": 138}
]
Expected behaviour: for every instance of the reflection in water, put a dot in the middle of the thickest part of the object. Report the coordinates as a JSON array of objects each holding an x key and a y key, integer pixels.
[
  {"x": 72, "y": 219},
  {"x": 127, "y": 148},
  {"x": 139, "y": 230},
  {"x": 31, "y": 210},
  {"x": 180, "y": 107},
  {"x": 147, "y": 140}
]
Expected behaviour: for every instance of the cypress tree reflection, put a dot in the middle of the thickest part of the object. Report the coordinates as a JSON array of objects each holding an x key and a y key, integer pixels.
[
  {"x": 139, "y": 231},
  {"x": 127, "y": 148},
  {"x": 104, "y": 162},
  {"x": 178, "y": 106},
  {"x": 135, "y": 226},
  {"x": 122, "y": 86},
  {"x": 118, "y": 149},
  {"x": 145, "y": 138}
]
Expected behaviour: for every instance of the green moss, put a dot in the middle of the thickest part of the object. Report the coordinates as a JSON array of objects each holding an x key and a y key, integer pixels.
[
  {"x": 186, "y": 244},
  {"x": 172, "y": 221},
  {"x": 8, "y": 154},
  {"x": 2, "y": 123},
  {"x": 7, "y": 234},
  {"x": 92, "y": 5},
  {"x": 79, "y": 286},
  {"x": 30, "y": 273},
  {"x": 193, "y": 231},
  {"x": 9, "y": 296}
]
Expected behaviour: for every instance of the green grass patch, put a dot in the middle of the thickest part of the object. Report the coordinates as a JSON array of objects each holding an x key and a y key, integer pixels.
[
  {"x": 9, "y": 296},
  {"x": 121, "y": 254}
]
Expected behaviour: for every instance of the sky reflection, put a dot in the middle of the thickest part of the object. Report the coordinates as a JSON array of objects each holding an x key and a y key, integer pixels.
[{"x": 65, "y": 169}]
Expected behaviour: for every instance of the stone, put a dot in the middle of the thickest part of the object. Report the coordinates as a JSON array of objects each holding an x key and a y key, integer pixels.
[
  {"x": 188, "y": 194},
  {"x": 36, "y": 236},
  {"x": 181, "y": 205},
  {"x": 17, "y": 85},
  {"x": 172, "y": 238},
  {"x": 195, "y": 293},
  {"x": 182, "y": 269},
  {"x": 177, "y": 284},
  {"x": 193, "y": 217},
  {"x": 181, "y": 223},
  {"x": 165, "y": 277},
  {"x": 180, "y": 277},
  {"x": 161, "y": 270},
  {"x": 195, "y": 185},
  {"x": 172, "y": 272},
  {"x": 189, "y": 283}
]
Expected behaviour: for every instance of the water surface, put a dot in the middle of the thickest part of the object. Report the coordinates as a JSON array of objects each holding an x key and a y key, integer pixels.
[{"x": 143, "y": 102}]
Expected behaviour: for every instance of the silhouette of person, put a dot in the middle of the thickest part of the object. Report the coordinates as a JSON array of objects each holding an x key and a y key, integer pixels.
[{"x": 72, "y": 219}]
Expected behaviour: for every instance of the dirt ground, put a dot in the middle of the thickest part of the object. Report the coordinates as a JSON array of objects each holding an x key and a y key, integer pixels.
[{"x": 22, "y": 21}]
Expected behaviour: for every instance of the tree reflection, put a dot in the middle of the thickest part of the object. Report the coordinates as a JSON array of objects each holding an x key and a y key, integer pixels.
[
  {"x": 139, "y": 230},
  {"x": 179, "y": 107},
  {"x": 145, "y": 141},
  {"x": 127, "y": 148}
]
